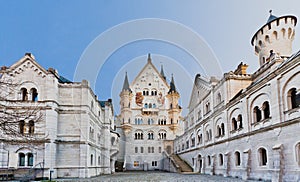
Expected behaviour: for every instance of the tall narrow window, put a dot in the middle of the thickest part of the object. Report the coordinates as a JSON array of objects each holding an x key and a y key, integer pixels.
[
  {"x": 208, "y": 160},
  {"x": 221, "y": 160},
  {"x": 263, "y": 158},
  {"x": 92, "y": 159},
  {"x": 223, "y": 129},
  {"x": 34, "y": 94},
  {"x": 234, "y": 124},
  {"x": 24, "y": 95},
  {"x": 30, "y": 159},
  {"x": 21, "y": 126},
  {"x": 240, "y": 121},
  {"x": 298, "y": 153},
  {"x": 293, "y": 98},
  {"x": 136, "y": 150},
  {"x": 237, "y": 158},
  {"x": 31, "y": 127},
  {"x": 21, "y": 159},
  {"x": 266, "y": 109},
  {"x": 256, "y": 114}
]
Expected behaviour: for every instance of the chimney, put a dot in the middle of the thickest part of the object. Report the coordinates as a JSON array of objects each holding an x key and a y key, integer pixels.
[{"x": 241, "y": 69}]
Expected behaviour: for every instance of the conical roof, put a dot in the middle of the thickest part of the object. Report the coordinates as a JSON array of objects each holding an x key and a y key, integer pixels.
[
  {"x": 162, "y": 72},
  {"x": 126, "y": 84},
  {"x": 172, "y": 85}
]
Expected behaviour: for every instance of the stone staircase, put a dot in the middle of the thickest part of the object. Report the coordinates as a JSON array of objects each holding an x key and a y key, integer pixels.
[{"x": 182, "y": 165}]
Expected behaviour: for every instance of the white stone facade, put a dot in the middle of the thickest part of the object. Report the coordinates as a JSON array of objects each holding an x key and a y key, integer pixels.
[
  {"x": 247, "y": 125},
  {"x": 149, "y": 119},
  {"x": 77, "y": 129}
]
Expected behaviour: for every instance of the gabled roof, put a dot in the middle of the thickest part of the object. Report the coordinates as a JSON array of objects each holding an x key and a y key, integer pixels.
[{"x": 149, "y": 63}]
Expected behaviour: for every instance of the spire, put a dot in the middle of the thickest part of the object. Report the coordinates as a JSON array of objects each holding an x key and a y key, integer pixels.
[
  {"x": 271, "y": 17},
  {"x": 172, "y": 86},
  {"x": 126, "y": 84},
  {"x": 162, "y": 72},
  {"x": 149, "y": 57}
]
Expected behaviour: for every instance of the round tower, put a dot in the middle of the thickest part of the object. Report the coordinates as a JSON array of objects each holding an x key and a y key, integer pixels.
[
  {"x": 125, "y": 103},
  {"x": 276, "y": 36}
]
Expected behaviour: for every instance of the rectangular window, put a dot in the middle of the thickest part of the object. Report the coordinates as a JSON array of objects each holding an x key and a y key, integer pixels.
[
  {"x": 159, "y": 149},
  {"x": 136, "y": 163},
  {"x": 136, "y": 150},
  {"x": 149, "y": 150}
]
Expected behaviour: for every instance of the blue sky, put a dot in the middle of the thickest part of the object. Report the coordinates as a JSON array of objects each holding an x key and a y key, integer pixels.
[{"x": 58, "y": 33}]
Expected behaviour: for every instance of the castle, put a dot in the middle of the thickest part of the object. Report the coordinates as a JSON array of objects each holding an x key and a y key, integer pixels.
[
  {"x": 149, "y": 119},
  {"x": 247, "y": 125},
  {"x": 72, "y": 137}
]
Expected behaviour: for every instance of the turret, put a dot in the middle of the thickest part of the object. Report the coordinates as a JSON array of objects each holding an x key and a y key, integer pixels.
[
  {"x": 274, "y": 37},
  {"x": 174, "y": 108},
  {"x": 125, "y": 102}
]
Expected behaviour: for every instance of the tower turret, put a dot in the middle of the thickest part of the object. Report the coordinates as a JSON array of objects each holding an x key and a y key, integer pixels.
[
  {"x": 274, "y": 37},
  {"x": 125, "y": 102},
  {"x": 174, "y": 110}
]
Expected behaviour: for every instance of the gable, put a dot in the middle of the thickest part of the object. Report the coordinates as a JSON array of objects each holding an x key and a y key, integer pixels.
[
  {"x": 149, "y": 75},
  {"x": 200, "y": 90},
  {"x": 26, "y": 64}
]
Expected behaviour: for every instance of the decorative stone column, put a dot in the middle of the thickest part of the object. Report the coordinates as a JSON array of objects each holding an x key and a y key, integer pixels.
[
  {"x": 278, "y": 163},
  {"x": 246, "y": 164},
  {"x": 227, "y": 164}
]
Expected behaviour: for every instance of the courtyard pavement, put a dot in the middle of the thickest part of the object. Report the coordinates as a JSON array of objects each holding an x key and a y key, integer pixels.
[{"x": 155, "y": 176}]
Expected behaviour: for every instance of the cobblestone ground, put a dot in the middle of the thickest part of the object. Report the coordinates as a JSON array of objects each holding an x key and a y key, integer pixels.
[{"x": 156, "y": 176}]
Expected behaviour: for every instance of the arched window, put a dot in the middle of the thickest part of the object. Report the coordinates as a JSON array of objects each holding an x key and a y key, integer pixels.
[
  {"x": 275, "y": 35},
  {"x": 256, "y": 114},
  {"x": 150, "y": 105},
  {"x": 21, "y": 126},
  {"x": 144, "y": 92},
  {"x": 21, "y": 159},
  {"x": 154, "y": 105},
  {"x": 267, "y": 38},
  {"x": 263, "y": 158},
  {"x": 208, "y": 160},
  {"x": 234, "y": 124},
  {"x": 221, "y": 161},
  {"x": 99, "y": 160},
  {"x": 34, "y": 94},
  {"x": 150, "y": 136},
  {"x": 207, "y": 135},
  {"x": 200, "y": 138},
  {"x": 24, "y": 95},
  {"x": 207, "y": 107},
  {"x": 237, "y": 156},
  {"x": 146, "y": 105},
  {"x": 283, "y": 32},
  {"x": 136, "y": 150},
  {"x": 152, "y": 93},
  {"x": 222, "y": 129},
  {"x": 219, "y": 131},
  {"x": 171, "y": 106},
  {"x": 30, "y": 159},
  {"x": 219, "y": 98},
  {"x": 147, "y": 92},
  {"x": 293, "y": 98},
  {"x": 31, "y": 127},
  {"x": 266, "y": 109},
  {"x": 92, "y": 159},
  {"x": 298, "y": 153},
  {"x": 289, "y": 33},
  {"x": 240, "y": 120}
]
